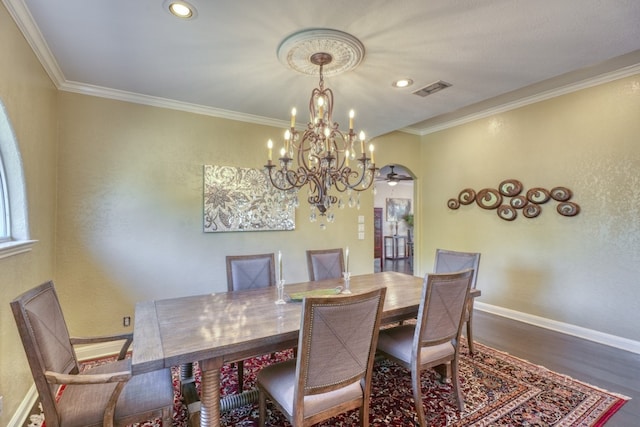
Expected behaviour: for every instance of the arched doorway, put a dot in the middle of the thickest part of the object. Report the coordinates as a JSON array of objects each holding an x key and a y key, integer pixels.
[{"x": 394, "y": 208}]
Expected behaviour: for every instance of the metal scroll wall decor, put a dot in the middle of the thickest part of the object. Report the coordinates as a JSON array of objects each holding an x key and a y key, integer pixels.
[{"x": 509, "y": 198}]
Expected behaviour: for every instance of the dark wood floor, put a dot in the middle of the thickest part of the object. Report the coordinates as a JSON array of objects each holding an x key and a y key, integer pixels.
[
  {"x": 614, "y": 370},
  {"x": 404, "y": 265}
]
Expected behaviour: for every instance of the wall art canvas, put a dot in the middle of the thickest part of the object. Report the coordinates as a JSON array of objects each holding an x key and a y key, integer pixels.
[
  {"x": 243, "y": 199},
  {"x": 397, "y": 208}
]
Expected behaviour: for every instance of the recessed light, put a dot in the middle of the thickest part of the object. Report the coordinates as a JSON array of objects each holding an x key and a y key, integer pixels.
[
  {"x": 180, "y": 9},
  {"x": 402, "y": 83}
]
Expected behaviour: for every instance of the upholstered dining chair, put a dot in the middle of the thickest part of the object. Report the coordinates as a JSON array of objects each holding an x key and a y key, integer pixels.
[
  {"x": 246, "y": 272},
  {"x": 107, "y": 395},
  {"x": 250, "y": 271},
  {"x": 332, "y": 371},
  {"x": 325, "y": 264},
  {"x": 434, "y": 339},
  {"x": 451, "y": 261}
]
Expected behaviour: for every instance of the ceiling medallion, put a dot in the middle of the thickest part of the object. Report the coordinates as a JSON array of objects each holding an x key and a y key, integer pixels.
[{"x": 346, "y": 51}]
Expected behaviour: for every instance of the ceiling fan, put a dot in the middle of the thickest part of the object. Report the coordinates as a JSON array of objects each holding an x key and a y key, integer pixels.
[{"x": 393, "y": 177}]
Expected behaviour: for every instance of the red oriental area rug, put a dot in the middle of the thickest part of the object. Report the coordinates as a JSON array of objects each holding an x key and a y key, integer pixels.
[{"x": 499, "y": 390}]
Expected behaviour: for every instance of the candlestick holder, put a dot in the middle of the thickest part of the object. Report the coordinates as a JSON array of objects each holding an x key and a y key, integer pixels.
[
  {"x": 347, "y": 279},
  {"x": 280, "y": 289}
]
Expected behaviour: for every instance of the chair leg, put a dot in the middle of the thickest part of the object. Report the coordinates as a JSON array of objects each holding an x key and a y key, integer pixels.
[
  {"x": 167, "y": 417},
  {"x": 262, "y": 408},
  {"x": 364, "y": 413},
  {"x": 455, "y": 381},
  {"x": 472, "y": 347},
  {"x": 469, "y": 318},
  {"x": 417, "y": 395},
  {"x": 240, "y": 365},
  {"x": 444, "y": 371}
]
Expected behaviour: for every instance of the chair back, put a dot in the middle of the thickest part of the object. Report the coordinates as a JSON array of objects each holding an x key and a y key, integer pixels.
[
  {"x": 441, "y": 311},
  {"x": 452, "y": 261},
  {"x": 250, "y": 271},
  {"x": 325, "y": 264},
  {"x": 46, "y": 341},
  {"x": 337, "y": 342}
]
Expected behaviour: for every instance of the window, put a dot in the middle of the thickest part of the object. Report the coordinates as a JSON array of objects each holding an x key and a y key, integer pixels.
[
  {"x": 5, "y": 231},
  {"x": 14, "y": 224}
]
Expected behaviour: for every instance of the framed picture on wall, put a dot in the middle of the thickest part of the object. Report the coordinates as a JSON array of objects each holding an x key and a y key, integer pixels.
[
  {"x": 243, "y": 199},
  {"x": 397, "y": 208}
]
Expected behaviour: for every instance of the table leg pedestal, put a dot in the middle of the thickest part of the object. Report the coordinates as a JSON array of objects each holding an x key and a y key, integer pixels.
[
  {"x": 210, "y": 399},
  {"x": 192, "y": 400},
  {"x": 190, "y": 394}
]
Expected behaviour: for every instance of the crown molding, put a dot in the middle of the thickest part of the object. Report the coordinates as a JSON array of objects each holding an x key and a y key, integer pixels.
[
  {"x": 232, "y": 115},
  {"x": 527, "y": 100},
  {"x": 155, "y": 101},
  {"x": 25, "y": 22}
]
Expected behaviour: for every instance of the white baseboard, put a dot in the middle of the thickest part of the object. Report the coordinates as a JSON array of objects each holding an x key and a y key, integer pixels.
[
  {"x": 96, "y": 351},
  {"x": 565, "y": 328},
  {"x": 24, "y": 410}
]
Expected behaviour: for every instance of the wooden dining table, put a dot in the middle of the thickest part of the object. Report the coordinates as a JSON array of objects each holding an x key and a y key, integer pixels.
[{"x": 217, "y": 328}]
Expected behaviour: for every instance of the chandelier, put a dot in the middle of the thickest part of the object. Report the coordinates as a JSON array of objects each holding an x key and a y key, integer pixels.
[{"x": 322, "y": 157}]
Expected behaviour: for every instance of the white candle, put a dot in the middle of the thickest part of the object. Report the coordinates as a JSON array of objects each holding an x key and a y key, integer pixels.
[
  {"x": 280, "y": 265},
  {"x": 320, "y": 107},
  {"x": 287, "y": 137},
  {"x": 347, "y": 260}
]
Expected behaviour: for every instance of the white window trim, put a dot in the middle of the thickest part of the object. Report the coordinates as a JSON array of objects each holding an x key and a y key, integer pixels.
[
  {"x": 14, "y": 247},
  {"x": 20, "y": 240}
]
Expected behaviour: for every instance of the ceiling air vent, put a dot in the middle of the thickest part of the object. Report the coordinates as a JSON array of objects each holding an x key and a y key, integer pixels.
[{"x": 432, "y": 88}]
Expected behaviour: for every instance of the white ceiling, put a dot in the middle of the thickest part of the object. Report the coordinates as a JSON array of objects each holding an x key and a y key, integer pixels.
[{"x": 495, "y": 53}]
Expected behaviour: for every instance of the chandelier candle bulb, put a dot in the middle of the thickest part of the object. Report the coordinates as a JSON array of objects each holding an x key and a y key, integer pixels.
[
  {"x": 351, "y": 116},
  {"x": 361, "y": 136},
  {"x": 371, "y": 149},
  {"x": 287, "y": 137},
  {"x": 270, "y": 147},
  {"x": 293, "y": 117}
]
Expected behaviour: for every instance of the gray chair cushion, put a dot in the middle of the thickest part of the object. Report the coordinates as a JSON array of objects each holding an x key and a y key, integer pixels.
[
  {"x": 398, "y": 342},
  {"x": 80, "y": 405},
  {"x": 279, "y": 380}
]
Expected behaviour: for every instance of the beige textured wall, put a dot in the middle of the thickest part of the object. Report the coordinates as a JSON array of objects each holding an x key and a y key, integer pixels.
[
  {"x": 130, "y": 209},
  {"x": 30, "y": 101},
  {"x": 582, "y": 270}
]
